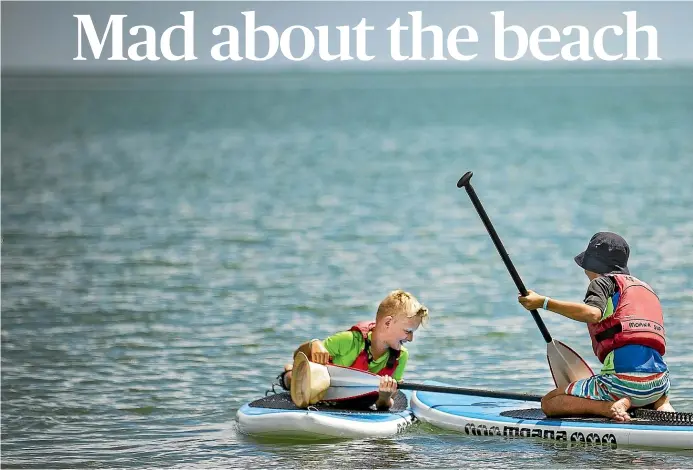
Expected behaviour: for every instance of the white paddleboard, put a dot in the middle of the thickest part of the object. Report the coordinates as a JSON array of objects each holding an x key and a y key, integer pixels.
[{"x": 276, "y": 416}]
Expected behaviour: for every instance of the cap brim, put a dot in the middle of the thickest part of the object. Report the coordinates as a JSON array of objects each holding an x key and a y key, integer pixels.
[
  {"x": 579, "y": 259},
  {"x": 596, "y": 266}
]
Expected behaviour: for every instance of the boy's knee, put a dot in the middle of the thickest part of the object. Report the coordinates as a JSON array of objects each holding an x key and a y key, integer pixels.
[
  {"x": 552, "y": 394},
  {"x": 547, "y": 402},
  {"x": 546, "y": 407}
]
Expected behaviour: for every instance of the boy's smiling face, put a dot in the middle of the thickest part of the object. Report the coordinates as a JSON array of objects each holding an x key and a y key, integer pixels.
[{"x": 400, "y": 329}]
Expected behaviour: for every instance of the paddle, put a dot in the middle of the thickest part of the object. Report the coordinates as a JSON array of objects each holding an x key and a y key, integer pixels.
[
  {"x": 565, "y": 364},
  {"x": 314, "y": 382}
]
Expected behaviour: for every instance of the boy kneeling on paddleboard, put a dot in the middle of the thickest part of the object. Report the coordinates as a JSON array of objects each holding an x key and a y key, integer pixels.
[
  {"x": 375, "y": 346},
  {"x": 624, "y": 320}
]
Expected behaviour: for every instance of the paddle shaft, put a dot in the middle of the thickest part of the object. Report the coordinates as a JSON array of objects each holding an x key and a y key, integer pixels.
[
  {"x": 467, "y": 391},
  {"x": 464, "y": 181},
  {"x": 354, "y": 382}
]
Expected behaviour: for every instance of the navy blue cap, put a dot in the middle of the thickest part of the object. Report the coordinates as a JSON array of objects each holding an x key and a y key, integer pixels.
[{"x": 606, "y": 253}]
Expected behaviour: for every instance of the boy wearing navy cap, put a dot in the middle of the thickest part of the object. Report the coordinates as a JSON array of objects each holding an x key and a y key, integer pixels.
[{"x": 624, "y": 320}]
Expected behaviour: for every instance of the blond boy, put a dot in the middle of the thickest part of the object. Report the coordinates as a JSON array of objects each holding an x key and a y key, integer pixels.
[{"x": 377, "y": 347}]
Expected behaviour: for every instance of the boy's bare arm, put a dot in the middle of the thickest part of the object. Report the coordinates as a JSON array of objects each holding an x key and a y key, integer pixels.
[
  {"x": 384, "y": 403},
  {"x": 315, "y": 351},
  {"x": 575, "y": 311},
  {"x": 388, "y": 387},
  {"x": 304, "y": 348}
]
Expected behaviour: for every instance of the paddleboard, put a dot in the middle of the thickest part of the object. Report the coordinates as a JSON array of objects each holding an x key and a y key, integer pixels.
[
  {"x": 276, "y": 416},
  {"x": 488, "y": 416}
]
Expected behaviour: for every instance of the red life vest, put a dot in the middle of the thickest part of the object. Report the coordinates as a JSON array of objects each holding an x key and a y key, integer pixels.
[
  {"x": 361, "y": 362},
  {"x": 637, "y": 319}
]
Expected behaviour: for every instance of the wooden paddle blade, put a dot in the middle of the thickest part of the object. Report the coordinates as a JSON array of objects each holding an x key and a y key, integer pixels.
[
  {"x": 565, "y": 364},
  {"x": 309, "y": 381}
]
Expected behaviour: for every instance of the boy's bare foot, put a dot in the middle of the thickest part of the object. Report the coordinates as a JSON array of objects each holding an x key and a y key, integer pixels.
[
  {"x": 619, "y": 410},
  {"x": 288, "y": 367}
]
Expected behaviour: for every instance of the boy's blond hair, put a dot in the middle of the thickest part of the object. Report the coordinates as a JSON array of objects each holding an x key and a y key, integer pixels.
[{"x": 399, "y": 302}]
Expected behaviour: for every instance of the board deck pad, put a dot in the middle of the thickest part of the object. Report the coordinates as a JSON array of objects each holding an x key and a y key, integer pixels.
[
  {"x": 282, "y": 401},
  {"x": 660, "y": 418}
]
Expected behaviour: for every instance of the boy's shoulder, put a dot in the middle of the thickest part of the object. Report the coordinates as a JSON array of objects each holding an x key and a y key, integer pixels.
[
  {"x": 346, "y": 338},
  {"x": 346, "y": 335},
  {"x": 602, "y": 284}
]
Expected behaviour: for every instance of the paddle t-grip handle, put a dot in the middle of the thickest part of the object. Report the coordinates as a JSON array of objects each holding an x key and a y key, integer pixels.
[{"x": 465, "y": 183}]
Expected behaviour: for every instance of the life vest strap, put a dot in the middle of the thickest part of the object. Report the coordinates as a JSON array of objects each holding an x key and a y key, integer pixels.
[
  {"x": 632, "y": 325},
  {"x": 391, "y": 359},
  {"x": 609, "y": 332}
]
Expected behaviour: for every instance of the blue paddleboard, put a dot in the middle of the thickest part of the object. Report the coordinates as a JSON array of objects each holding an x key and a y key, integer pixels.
[{"x": 506, "y": 418}]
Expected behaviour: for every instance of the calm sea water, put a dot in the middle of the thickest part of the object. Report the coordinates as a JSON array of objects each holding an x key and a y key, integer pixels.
[{"x": 168, "y": 241}]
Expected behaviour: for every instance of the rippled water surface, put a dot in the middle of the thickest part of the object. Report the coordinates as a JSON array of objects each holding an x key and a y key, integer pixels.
[{"x": 168, "y": 241}]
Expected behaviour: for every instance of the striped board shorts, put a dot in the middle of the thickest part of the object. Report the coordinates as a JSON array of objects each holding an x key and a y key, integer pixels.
[{"x": 642, "y": 388}]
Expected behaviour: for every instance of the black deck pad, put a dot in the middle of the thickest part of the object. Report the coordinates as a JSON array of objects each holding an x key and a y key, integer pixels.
[
  {"x": 282, "y": 401},
  {"x": 640, "y": 416}
]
